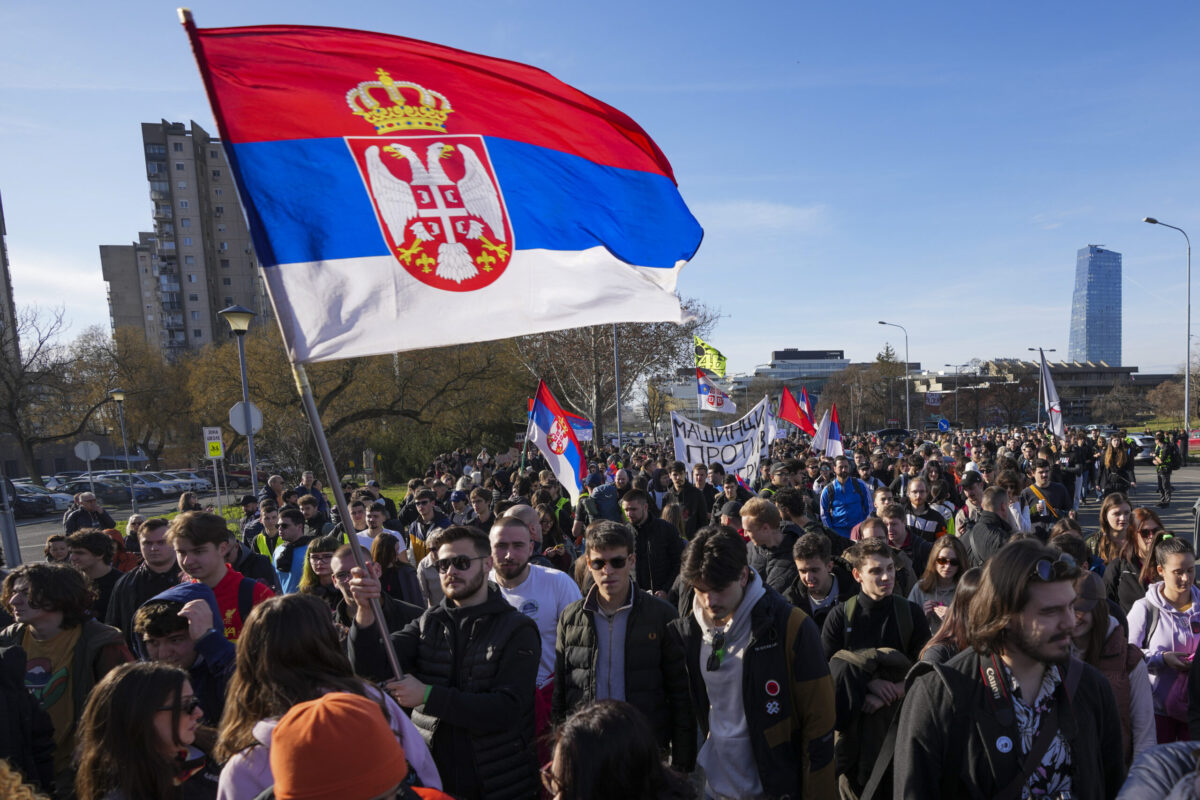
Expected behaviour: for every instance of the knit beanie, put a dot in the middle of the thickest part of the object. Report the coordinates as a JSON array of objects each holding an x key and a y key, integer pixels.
[{"x": 336, "y": 747}]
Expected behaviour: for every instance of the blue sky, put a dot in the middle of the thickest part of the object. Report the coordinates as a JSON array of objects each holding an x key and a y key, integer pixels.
[{"x": 932, "y": 164}]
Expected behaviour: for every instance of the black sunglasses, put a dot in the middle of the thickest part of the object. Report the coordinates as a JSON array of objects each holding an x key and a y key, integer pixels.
[
  {"x": 718, "y": 652},
  {"x": 618, "y": 562},
  {"x": 188, "y": 706},
  {"x": 460, "y": 563},
  {"x": 1062, "y": 567}
]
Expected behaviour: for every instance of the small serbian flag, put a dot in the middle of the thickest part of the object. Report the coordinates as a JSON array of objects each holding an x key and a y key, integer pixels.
[
  {"x": 550, "y": 430},
  {"x": 709, "y": 395},
  {"x": 833, "y": 444},
  {"x": 404, "y": 195},
  {"x": 807, "y": 404}
]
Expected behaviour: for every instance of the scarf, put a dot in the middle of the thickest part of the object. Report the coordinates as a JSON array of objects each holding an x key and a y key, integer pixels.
[{"x": 283, "y": 561}]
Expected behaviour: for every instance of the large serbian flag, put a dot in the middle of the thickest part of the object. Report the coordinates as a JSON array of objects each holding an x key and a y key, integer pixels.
[
  {"x": 402, "y": 194},
  {"x": 551, "y": 431}
]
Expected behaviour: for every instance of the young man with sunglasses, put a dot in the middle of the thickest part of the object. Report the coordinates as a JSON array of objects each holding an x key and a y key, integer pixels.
[
  {"x": 614, "y": 645},
  {"x": 759, "y": 682},
  {"x": 470, "y": 671},
  {"x": 1013, "y": 715}
]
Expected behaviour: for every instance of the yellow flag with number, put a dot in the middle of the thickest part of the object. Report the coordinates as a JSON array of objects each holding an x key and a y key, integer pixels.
[{"x": 709, "y": 358}]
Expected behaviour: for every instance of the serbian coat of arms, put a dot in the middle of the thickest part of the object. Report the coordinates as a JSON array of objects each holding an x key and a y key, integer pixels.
[{"x": 435, "y": 194}]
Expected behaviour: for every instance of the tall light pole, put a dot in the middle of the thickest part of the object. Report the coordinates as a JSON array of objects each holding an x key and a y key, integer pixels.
[
  {"x": 1187, "y": 360},
  {"x": 1041, "y": 388},
  {"x": 239, "y": 318},
  {"x": 118, "y": 396},
  {"x": 957, "y": 367},
  {"x": 907, "y": 408}
]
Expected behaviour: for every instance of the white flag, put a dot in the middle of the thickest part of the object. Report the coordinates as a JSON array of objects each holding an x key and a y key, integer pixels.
[
  {"x": 1050, "y": 400},
  {"x": 821, "y": 437},
  {"x": 764, "y": 435}
]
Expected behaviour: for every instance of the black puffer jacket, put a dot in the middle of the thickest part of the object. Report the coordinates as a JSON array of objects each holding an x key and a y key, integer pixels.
[
  {"x": 1123, "y": 584},
  {"x": 659, "y": 550},
  {"x": 481, "y": 662},
  {"x": 989, "y": 533},
  {"x": 774, "y": 564},
  {"x": 655, "y": 673}
]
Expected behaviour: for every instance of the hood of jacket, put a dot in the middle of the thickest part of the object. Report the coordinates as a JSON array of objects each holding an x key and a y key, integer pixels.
[
  {"x": 1154, "y": 596},
  {"x": 183, "y": 593}
]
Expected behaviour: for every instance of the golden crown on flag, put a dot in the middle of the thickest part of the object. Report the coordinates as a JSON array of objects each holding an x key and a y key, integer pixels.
[{"x": 428, "y": 114}]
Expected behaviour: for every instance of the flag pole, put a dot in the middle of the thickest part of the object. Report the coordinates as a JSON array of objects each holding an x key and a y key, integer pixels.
[
  {"x": 314, "y": 420},
  {"x": 617, "y": 386},
  {"x": 525, "y": 443}
]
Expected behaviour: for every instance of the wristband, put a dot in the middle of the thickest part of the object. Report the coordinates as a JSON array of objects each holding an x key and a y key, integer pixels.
[{"x": 425, "y": 699}]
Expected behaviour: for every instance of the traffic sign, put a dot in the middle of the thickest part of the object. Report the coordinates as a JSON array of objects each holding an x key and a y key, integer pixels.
[
  {"x": 237, "y": 418},
  {"x": 213, "y": 444},
  {"x": 87, "y": 451},
  {"x": 943, "y": 424}
]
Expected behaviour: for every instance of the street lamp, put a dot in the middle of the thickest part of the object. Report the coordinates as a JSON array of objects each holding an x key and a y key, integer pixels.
[
  {"x": 957, "y": 367},
  {"x": 907, "y": 409},
  {"x": 1187, "y": 361},
  {"x": 239, "y": 318},
  {"x": 118, "y": 396},
  {"x": 1041, "y": 388}
]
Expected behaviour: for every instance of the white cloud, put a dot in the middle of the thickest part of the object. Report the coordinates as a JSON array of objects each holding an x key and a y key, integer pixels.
[{"x": 762, "y": 216}]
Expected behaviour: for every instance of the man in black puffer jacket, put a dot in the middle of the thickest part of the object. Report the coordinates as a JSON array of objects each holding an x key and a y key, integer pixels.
[
  {"x": 613, "y": 644},
  {"x": 470, "y": 668},
  {"x": 991, "y": 529}
]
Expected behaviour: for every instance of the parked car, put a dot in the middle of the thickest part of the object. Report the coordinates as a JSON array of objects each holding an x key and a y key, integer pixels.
[
  {"x": 240, "y": 476},
  {"x": 182, "y": 484},
  {"x": 1143, "y": 448},
  {"x": 158, "y": 487},
  {"x": 61, "y": 501},
  {"x": 32, "y": 505},
  {"x": 111, "y": 493},
  {"x": 27, "y": 504},
  {"x": 199, "y": 482}
]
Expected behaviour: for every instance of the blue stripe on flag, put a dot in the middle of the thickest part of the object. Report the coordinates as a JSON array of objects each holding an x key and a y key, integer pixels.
[{"x": 307, "y": 203}]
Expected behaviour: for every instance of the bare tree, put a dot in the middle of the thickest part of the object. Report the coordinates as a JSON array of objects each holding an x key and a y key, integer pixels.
[
  {"x": 47, "y": 393},
  {"x": 577, "y": 363}
]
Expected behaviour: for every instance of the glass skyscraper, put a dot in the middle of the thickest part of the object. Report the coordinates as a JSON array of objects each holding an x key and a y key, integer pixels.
[{"x": 1096, "y": 307}]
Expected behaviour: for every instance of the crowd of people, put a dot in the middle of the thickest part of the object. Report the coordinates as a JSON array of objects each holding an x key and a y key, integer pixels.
[{"x": 912, "y": 618}]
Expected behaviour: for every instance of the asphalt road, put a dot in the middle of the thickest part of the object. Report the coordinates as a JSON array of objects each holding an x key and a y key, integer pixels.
[
  {"x": 32, "y": 532},
  {"x": 1178, "y": 518}
]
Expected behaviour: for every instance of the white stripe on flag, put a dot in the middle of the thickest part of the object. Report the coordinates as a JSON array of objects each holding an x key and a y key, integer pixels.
[{"x": 344, "y": 305}]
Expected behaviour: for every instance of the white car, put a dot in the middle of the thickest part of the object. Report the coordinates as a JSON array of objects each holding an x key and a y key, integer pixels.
[
  {"x": 152, "y": 482},
  {"x": 183, "y": 484},
  {"x": 199, "y": 483}
]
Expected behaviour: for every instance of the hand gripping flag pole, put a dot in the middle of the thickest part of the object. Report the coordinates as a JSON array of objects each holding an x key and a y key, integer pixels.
[{"x": 314, "y": 418}]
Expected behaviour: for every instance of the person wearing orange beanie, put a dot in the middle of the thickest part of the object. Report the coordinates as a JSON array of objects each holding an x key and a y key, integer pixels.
[{"x": 340, "y": 747}]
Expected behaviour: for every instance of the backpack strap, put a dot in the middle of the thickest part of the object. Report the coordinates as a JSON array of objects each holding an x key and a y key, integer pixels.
[
  {"x": 795, "y": 619},
  {"x": 904, "y": 620},
  {"x": 246, "y": 598},
  {"x": 851, "y": 611},
  {"x": 1151, "y": 624}
]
